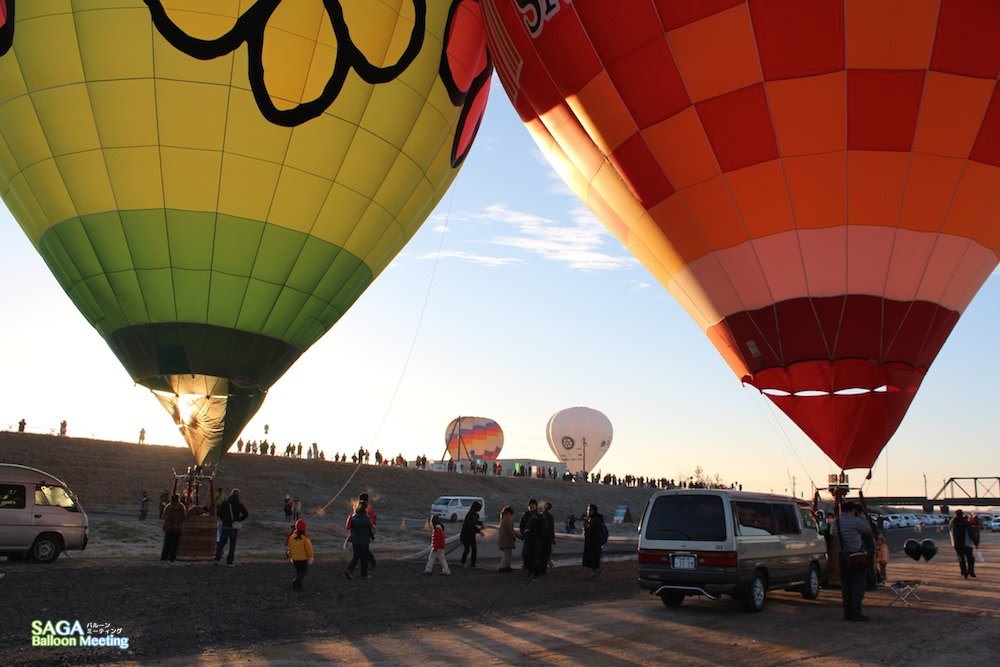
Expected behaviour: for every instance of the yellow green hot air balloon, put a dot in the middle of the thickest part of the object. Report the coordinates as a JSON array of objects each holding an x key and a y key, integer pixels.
[{"x": 214, "y": 183}]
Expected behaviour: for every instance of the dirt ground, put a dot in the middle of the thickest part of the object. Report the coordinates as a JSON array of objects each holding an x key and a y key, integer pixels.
[{"x": 198, "y": 613}]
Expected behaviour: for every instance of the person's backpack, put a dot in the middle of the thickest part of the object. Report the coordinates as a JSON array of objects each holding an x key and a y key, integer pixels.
[{"x": 604, "y": 533}]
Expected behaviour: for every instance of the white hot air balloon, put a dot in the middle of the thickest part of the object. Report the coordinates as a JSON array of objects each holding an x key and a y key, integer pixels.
[{"x": 579, "y": 437}]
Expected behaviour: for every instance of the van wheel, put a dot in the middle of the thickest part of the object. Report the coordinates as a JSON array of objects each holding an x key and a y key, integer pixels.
[
  {"x": 810, "y": 589},
  {"x": 672, "y": 599},
  {"x": 757, "y": 594},
  {"x": 46, "y": 549},
  {"x": 454, "y": 518}
]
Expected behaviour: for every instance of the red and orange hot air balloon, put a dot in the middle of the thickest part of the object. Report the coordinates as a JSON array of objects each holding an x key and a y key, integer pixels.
[{"x": 818, "y": 183}]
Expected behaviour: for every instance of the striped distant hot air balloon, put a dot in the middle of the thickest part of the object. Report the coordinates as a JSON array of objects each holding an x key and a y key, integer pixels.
[{"x": 474, "y": 439}]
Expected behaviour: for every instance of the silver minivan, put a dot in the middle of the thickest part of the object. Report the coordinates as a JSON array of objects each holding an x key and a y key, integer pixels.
[
  {"x": 715, "y": 542},
  {"x": 40, "y": 516}
]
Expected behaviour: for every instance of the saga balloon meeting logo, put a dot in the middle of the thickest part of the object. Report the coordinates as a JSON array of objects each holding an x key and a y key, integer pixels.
[{"x": 72, "y": 634}]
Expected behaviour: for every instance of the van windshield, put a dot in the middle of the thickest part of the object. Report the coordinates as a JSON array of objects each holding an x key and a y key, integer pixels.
[
  {"x": 55, "y": 496},
  {"x": 696, "y": 517}
]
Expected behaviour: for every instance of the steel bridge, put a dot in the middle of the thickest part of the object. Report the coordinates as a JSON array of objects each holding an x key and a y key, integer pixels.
[{"x": 962, "y": 491}]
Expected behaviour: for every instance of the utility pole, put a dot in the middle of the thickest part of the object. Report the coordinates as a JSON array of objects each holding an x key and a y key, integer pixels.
[{"x": 793, "y": 486}]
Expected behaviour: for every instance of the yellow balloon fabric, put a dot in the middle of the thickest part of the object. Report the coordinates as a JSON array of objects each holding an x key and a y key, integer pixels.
[{"x": 215, "y": 183}]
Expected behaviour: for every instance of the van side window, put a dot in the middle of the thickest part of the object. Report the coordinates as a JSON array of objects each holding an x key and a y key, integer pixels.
[
  {"x": 788, "y": 523},
  {"x": 808, "y": 520},
  {"x": 754, "y": 518},
  {"x": 53, "y": 495},
  {"x": 12, "y": 497}
]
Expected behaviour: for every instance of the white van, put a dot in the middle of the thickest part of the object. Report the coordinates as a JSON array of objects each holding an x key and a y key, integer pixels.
[
  {"x": 39, "y": 516},
  {"x": 715, "y": 542},
  {"x": 454, "y": 508}
]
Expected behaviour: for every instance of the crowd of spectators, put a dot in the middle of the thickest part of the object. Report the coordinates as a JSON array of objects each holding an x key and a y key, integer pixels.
[{"x": 494, "y": 468}]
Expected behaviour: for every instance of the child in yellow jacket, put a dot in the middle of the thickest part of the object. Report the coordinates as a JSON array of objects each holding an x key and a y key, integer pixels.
[{"x": 299, "y": 548}]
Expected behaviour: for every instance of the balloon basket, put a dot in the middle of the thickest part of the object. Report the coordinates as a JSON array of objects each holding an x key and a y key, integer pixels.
[
  {"x": 196, "y": 487},
  {"x": 198, "y": 537}
]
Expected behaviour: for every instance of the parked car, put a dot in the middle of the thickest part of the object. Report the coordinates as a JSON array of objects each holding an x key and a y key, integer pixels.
[
  {"x": 454, "y": 508},
  {"x": 40, "y": 516},
  {"x": 715, "y": 542},
  {"x": 995, "y": 524}
]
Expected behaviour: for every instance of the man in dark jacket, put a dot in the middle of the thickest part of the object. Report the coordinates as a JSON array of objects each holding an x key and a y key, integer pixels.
[
  {"x": 594, "y": 532},
  {"x": 173, "y": 520},
  {"x": 962, "y": 539},
  {"x": 550, "y": 537},
  {"x": 471, "y": 527},
  {"x": 533, "y": 533},
  {"x": 362, "y": 534},
  {"x": 231, "y": 513},
  {"x": 854, "y": 535}
]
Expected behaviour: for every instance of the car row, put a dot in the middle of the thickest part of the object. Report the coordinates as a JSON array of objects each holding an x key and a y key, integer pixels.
[{"x": 911, "y": 520}]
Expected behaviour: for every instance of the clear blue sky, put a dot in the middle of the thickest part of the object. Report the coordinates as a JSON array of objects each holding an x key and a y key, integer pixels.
[{"x": 531, "y": 307}]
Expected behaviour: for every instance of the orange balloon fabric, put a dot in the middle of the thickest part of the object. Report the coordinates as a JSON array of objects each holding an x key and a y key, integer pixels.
[{"x": 818, "y": 183}]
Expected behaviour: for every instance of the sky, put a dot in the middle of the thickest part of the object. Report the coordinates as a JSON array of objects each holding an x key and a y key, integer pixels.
[{"x": 512, "y": 302}]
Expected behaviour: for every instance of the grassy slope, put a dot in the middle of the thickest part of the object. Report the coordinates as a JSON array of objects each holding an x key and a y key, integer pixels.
[{"x": 112, "y": 475}]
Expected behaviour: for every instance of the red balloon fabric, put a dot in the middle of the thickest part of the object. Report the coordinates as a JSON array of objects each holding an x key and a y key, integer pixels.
[{"x": 818, "y": 183}]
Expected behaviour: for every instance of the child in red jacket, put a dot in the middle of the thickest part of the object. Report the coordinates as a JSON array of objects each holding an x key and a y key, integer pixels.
[{"x": 437, "y": 549}]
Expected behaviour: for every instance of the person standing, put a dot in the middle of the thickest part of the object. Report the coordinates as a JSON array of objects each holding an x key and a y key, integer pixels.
[
  {"x": 362, "y": 534},
  {"x": 142, "y": 435},
  {"x": 550, "y": 537},
  {"x": 963, "y": 543},
  {"x": 370, "y": 511},
  {"x": 594, "y": 532},
  {"x": 528, "y": 546},
  {"x": 164, "y": 499},
  {"x": 471, "y": 528},
  {"x": 173, "y": 521},
  {"x": 436, "y": 554},
  {"x": 882, "y": 557},
  {"x": 506, "y": 537},
  {"x": 855, "y": 536},
  {"x": 299, "y": 548},
  {"x": 231, "y": 513},
  {"x": 534, "y": 534},
  {"x": 143, "y": 506},
  {"x": 21, "y": 425}
]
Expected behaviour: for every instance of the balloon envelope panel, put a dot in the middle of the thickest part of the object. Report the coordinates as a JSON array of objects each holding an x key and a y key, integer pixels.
[
  {"x": 579, "y": 437},
  {"x": 816, "y": 182},
  {"x": 214, "y": 189},
  {"x": 473, "y": 438}
]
